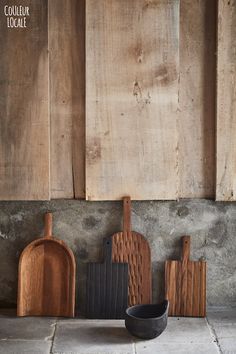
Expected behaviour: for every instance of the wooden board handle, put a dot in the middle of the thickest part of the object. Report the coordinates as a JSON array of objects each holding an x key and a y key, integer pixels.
[
  {"x": 127, "y": 214},
  {"x": 48, "y": 225},
  {"x": 185, "y": 248},
  {"x": 107, "y": 250}
]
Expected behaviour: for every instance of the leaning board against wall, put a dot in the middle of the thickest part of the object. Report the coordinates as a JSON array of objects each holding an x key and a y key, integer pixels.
[
  {"x": 226, "y": 103},
  {"x": 132, "y": 66},
  {"x": 24, "y": 118}
]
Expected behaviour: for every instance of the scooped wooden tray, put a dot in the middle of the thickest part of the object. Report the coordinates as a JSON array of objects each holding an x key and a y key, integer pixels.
[{"x": 46, "y": 283}]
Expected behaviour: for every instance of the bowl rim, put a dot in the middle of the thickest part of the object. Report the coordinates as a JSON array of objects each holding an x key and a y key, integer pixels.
[{"x": 166, "y": 302}]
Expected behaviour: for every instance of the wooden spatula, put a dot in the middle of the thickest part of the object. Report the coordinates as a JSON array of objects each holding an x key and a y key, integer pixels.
[
  {"x": 185, "y": 284},
  {"x": 131, "y": 247}
]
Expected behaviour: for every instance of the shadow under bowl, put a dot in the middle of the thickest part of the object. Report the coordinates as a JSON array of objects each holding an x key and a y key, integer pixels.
[{"x": 147, "y": 321}]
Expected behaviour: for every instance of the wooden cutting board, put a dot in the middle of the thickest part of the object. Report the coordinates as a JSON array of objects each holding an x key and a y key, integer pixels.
[
  {"x": 107, "y": 287},
  {"x": 185, "y": 283},
  {"x": 131, "y": 247},
  {"x": 46, "y": 279}
]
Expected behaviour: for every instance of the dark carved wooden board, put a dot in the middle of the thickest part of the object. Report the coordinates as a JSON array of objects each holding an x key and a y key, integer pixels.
[
  {"x": 185, "y": 283},
  {"x": 131, "y": 247},
  {"x": 107, "y": 287}
]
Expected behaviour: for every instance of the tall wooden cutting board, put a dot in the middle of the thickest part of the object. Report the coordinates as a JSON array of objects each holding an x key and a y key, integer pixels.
[
  {"x": 131, "y": 247},
  {"x": 185, "y": 283},
  {"x": 107, "y": 287}
]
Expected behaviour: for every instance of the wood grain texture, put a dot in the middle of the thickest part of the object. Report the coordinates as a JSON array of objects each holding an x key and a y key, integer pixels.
[
  {"x": 196, "y": 122},
  {"x": 24, "y": 117},
  {"x": 185, "y": 284},
  {"x": 226, "y": 103},
  {"x": 67, "y": 97},
  {"x": 132, "y": 67},
  {"x": 107, "y": 287},
  {"x": 131, "y": 247},
  {"x": 46, "y": 277}
]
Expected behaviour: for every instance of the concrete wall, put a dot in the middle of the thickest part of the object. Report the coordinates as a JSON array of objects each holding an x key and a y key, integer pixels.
[{"x": 83, "y": 225}]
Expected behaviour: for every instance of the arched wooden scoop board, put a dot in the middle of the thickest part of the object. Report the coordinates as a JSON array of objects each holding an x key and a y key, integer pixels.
[
  {"x": 131, "y": 247},
  {"x": 46, "y": 279}
]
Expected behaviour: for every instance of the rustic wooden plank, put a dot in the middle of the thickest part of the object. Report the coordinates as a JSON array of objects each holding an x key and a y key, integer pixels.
[
  {"x": 67, "y": 97},
  {"x": 24, "y": 118},
  {"x": 184, "y": 274},
  {"x": 178, "y": 287},
  {"x": 197, "y": 99},
  {"x": 189, "y": 301},
  {"x": 226, "y": 103},
  {"x": 196, "y": 289},
  {"x": 202, "y": 305},
  {"x": 170, "y": 287},
  {"x": 132, "y": 68}
]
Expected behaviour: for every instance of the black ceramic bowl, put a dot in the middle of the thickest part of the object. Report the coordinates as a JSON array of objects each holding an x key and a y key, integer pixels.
[{"x": 147, "y": 321}]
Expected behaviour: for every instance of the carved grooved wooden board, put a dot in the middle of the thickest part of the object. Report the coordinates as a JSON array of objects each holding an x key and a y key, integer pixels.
[
  {"x": 46, "y": 281},
  {"x": 132, "y": 71},
  {"x": 131, "y": 247},
  {"x": 185, "y": 283}
]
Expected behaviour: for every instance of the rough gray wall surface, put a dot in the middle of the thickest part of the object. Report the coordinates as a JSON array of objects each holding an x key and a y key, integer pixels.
[{"x": 82, "y": 225}]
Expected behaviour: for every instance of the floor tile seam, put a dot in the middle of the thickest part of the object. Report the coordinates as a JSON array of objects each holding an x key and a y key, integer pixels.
[
  {"x": 53, "y": 337},
  {"x": 214, "y": 335}
]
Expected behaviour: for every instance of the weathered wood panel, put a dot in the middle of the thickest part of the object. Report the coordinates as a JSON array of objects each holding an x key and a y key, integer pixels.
[
  {"x": 132, "y": 66},
  {"x": 226, "y": 102},
  {"x": 24, "y": 118},
  {"x": 197, "y": 99},
  {"x": 67, "y": 97}
]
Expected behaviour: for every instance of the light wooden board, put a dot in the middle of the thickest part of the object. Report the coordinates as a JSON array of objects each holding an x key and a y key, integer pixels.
[
  {"x": 197, "y": 99},
  {"x": 24, "y": 118},
  {"x": 132, "y": 66},
  {"x": 226, "y": 102},
  {"x": 67, "y": 97}
]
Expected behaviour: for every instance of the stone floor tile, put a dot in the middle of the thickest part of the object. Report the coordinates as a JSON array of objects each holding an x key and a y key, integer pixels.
[
  {"x": 228, "y": 345},
  {"x": 92, "y": 337},
  {"x": 27, "y": 328},
  {"x": 223, "y": 323},
  {"x": 176, "y": 348},
  {"x": 22, "y": 347},
  {"x": 186, "y": 330}
]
